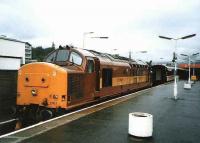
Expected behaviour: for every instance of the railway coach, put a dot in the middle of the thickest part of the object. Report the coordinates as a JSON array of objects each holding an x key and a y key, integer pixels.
[{"x": 162, "y": 74}]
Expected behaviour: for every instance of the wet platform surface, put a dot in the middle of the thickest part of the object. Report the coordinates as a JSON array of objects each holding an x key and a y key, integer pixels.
[{"x": 174, "y": 121}]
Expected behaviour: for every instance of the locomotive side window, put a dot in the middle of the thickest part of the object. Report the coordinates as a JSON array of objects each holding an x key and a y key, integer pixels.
[
  {"x": 90, "y": 66},
  {"x": 62, "y": 55},
  {"x": 51, "y": 57},
  {"x": 75, "y": 58},
  {"x": 106, "y": 77}
]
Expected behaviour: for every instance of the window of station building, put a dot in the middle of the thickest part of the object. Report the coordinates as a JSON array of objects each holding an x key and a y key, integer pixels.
[
  {"x": 62, "y": 55},
  {"x": 75, "y": 58},
  {"x": 90, "y": 66},
  {"x": 51, "y": 58}
]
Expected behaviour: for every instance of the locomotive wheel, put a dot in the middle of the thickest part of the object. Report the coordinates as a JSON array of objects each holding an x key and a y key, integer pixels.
[{"x": 46, "y": 114}]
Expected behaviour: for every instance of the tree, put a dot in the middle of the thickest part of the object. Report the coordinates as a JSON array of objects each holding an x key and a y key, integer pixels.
[
  {"x": 53, "y": 45},
  {"x": 39, "y": 53}
]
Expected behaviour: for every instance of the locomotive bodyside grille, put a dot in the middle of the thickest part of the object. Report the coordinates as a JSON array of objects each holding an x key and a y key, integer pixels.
[{"x": 75, "y": 85}]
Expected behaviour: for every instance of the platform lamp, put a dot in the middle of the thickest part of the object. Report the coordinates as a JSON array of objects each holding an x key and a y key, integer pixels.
[
  {"x": 189, "y": 60},
  {"x": 194, "y": 65},
  {"x": 175, "y": 57},
  {"x": 100, "y": 37},
  {"x": 193, "y": 70},
  {"x": 161, "y": 61},
  {"x": 114, "y": 51},
  {"x": 84, "y": 35},
  {"x": 142, "y": 52}
]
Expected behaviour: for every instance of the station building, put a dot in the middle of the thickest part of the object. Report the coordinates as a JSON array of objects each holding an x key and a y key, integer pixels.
[
  {"x": 194, "y": 67},
  {"x": 13, "y": 54}
]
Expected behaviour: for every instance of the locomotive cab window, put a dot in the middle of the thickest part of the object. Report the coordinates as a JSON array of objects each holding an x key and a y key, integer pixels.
[
  {"x": 62, "y": 56},
  {"x": 51, "y": 58},
  {"x": 75, "y": 58}
]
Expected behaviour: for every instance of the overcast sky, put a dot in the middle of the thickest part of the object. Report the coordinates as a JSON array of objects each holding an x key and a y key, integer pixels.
[{"x": 130, "y": 24}]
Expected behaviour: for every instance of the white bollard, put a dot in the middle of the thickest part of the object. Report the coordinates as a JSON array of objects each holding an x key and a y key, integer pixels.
[
  {"x": 140, "y": 124},
  {"x": 187, "y": 85}
]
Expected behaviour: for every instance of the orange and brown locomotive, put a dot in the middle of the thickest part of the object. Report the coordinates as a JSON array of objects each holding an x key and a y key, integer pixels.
[{"x": 70, "y": 77}]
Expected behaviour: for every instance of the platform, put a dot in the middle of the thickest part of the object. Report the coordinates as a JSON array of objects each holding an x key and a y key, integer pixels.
[{"x": 174, "y": 121}]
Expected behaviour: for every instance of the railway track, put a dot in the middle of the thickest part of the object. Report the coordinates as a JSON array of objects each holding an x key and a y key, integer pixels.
[{"x": 7, "y": 126}]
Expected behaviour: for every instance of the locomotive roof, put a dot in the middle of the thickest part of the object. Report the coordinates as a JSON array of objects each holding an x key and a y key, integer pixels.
[
  {"x": 103, "y": 57},
  {"x": 85, "y": 52},
  {"x": 167, "y": 67},
  {"x": 109, "y": 58}
]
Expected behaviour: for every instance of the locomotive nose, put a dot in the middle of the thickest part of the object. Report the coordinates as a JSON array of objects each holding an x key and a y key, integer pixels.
[
  {"x": 43, "y": 84},
  {"x": 37, "y": 80}
]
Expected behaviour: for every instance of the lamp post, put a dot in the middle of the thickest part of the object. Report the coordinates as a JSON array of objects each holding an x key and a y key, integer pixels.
[
  {"x": 161, "y": 61},
  {"x": 114, "y": 51},
  {"x": 142, "y": 52},
  {"x": 100, "y": 37},
  {"x": 193, "y": 77},
  {"x": 143, "y": 62},
  {"x": 193, "y": 67},
  {"x": 189, "y": 61},
  {"x": 175, "y": 58},
  {"x": 84, "y": 35},
  {"x": 87, "y": 33},
  {"x": 194, "y": 62}
]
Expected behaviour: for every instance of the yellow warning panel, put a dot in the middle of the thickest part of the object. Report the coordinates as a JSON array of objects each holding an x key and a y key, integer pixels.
[{"x": 194, "y": 77}]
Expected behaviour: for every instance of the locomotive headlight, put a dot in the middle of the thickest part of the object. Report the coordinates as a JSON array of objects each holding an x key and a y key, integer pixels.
[
  {"x": 34, "y": 92},
  {"x": 55, "y": 96},
  {"x": 63, "y": 97}
]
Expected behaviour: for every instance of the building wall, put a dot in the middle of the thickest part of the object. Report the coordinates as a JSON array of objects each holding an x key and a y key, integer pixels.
[
  {"x": 7, "y": 63},
  {"x": 13, "y": 49},
  {"x": 8, "y": 88},
  {"x": 191, "y": 65},
  {"x": 12, "y": 55},
  {"x": 195, "y": 69}
]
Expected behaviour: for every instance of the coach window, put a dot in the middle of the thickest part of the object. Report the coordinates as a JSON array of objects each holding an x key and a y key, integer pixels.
[
  {"x": 138, "y": 71},
  {"x": 135, "y": 72},
  {"x": 51, "y": 57},
  {"x": 62, "y": 55},
  {"x": 75, "y": 58},
  {"x": 144, "y": 72}
]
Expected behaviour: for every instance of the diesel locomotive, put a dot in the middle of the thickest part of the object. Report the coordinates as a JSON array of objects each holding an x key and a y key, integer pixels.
[{"x": 70, "y": 77}]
